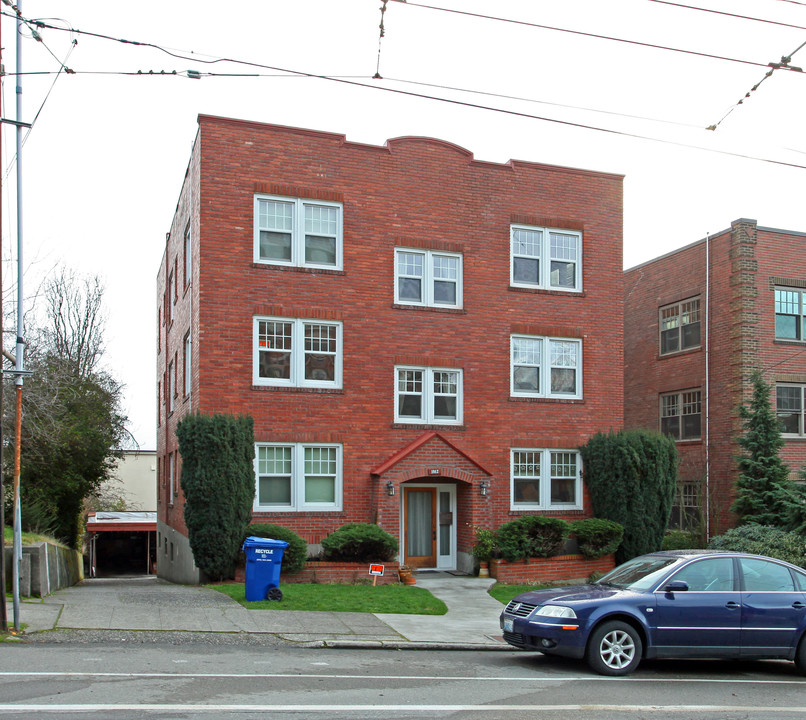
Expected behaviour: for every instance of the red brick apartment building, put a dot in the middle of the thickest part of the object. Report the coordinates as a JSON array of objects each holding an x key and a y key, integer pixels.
[
  {"x": 422, "y": 339},
  {"x": 697, "y": 322}
]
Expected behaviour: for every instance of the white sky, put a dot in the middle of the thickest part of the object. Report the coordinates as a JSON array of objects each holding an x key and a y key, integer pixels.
[{"x": 103, "y": 165}]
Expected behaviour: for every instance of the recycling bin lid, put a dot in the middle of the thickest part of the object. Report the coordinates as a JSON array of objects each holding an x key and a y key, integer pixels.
[{"x": 253, "y": 541}]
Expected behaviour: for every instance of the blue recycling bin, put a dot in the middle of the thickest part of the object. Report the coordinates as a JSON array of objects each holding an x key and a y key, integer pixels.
[{"x": 264, "y": 557}]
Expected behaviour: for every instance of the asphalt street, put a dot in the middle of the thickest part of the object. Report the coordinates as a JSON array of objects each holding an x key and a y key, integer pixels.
[{"x": 128, "y": 680}]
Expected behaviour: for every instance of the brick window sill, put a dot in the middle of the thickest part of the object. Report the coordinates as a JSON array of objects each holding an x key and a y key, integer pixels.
[
  {"x": 560, "y": 401},
  {"x": 430, "y": 308},
  {"x": 679, "y": 353},
  {"x": 297, "y": 268},
  {"x": 313, "y": 391},
  {"x": 425, "y": 426},
  {"x": 795, "y": 343},
  {"x": 545, "y": 291},
  {"x": 548, "y": 512}
]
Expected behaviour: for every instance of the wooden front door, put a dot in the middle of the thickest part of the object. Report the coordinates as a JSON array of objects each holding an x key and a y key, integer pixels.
[{"x": 420, "y": 521}]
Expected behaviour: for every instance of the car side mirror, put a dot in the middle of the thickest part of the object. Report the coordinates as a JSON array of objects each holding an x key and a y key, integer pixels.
[{"x": 676, "y": 586}]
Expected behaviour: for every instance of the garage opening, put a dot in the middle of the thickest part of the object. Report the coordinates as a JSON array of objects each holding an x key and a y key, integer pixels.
[{"x": 121, "y": 543}]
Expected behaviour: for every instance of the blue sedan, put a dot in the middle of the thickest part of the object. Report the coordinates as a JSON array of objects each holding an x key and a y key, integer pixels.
[{"x": 675, "y": 604}]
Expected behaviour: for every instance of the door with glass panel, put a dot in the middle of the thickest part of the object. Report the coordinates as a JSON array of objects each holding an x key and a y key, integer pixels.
[{"x": 420, "y": 522}]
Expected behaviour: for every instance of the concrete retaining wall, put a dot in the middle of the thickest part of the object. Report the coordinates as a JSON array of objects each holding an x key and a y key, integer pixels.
[
  {"x": 45, "y": 568},
  {"x": 175, "y": 558}
]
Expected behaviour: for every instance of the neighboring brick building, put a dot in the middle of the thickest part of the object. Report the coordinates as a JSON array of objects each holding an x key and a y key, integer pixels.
[
  {"x": 690, "y": 345},
  {"x": 422, "y": 339}
]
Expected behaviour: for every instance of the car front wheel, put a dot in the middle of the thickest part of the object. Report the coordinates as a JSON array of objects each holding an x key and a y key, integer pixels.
[
  {"x": 800, "y": 657},
  {"x": 614, "y": 648}
]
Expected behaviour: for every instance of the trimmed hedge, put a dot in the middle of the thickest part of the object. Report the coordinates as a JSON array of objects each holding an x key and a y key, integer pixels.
[
  {"x": 597, "y": 537},
  {"x": 763, "y": 540},
  {"x": 218, "y": 481},
  {"x": 359, "y": 542},
  {"x": 294, "y": 556},
  {"x": 532, "y": 536},
  {"x": 631, "y": 476}
]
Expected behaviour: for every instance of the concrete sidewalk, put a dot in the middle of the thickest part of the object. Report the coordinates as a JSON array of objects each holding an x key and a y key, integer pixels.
[{"x": 149, "y": 604}]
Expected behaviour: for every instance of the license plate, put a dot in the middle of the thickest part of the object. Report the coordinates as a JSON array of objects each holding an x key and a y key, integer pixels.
[{"x": 508, "y": 625}]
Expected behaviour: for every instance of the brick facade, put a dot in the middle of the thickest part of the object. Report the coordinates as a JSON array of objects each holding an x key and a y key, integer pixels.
[
  {"x": 413, "y": 193},
  {"x": 744, "y": 263}
]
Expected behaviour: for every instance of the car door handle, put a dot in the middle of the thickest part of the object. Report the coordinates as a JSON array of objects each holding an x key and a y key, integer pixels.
[
  {"x": 798, "y": 605},
  {"x": 732, "y": 605}
]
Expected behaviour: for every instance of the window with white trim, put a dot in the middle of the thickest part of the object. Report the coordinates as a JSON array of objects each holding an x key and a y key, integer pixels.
[
  {"x": 172, "y": 385},
  {"x": 292, "y": 231},
  {"x": 790, "y": 406},
  {"x": 188, "y": 364},
  {"x": 171, "y": 297},
  {"x": 172, "y": 493},
  {"x": 679, "y": 326},
  {"x": 297, "y": 353},
  {"x": 545, "y": 367},
  {"x": 427, "y": 277},
  {"x": 681, "y": 415},
  {"x": 188, "y": 255},
  {"x": 543, "y": 479},
  {"x": 790, "y": 314},
  {"x": 545, "y": 258},
  {"x": 428, "y": 395},
  {"x": 298, "y": 476}
]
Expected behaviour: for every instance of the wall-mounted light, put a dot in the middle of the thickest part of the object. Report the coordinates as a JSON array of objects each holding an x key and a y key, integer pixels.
[
  {"x": 483, "y": 488},
  {"x": 390, "y": 488}
]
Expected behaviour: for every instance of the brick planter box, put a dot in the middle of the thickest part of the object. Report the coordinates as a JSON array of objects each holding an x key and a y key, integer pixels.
[
  {"x": 327, "y": 572},
  {"x": 561, "y": 568}
]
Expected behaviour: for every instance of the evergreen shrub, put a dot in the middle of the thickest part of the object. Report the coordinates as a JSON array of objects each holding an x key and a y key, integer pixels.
[
  {"x": 763, "y": 540},
  {"x": 681, "y": 540},
  {"x": 631, "y": 476},
  {"x": 765, "y": 494},
  {"x": 218, "y": 481},
  {"x": 294, "y": 556},
  {"x": 532, "y": 536},
  {"x": 597, "y": 537},
  {"x": 359, "y": 542}
]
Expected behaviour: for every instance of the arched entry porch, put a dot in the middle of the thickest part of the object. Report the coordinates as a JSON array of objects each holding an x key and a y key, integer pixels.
[{"x": 435, "y": 493}]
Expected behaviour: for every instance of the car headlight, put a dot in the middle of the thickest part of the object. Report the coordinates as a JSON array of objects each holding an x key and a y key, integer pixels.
[{"x": 558, "y": 611}]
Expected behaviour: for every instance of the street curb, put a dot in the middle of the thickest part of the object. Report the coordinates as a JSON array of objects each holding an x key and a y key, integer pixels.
[{"x": 398, "y": 645}]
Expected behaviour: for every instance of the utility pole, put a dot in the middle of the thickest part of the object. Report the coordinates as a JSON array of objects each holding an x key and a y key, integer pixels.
[
  {"x": 3, "y": 613},
  {"x": 19, "y": 369}
]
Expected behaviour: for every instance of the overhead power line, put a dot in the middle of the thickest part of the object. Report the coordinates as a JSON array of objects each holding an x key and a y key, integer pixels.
[
  {"x": 345, "y": 80},
  {"x": 611, "y": 38},
  {"x": 728, "y": 14}
]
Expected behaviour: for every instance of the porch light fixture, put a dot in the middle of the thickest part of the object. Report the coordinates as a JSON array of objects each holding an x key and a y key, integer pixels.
[
  {"x": 483, "y": 488},
  {"x": 390, "y": 488}
]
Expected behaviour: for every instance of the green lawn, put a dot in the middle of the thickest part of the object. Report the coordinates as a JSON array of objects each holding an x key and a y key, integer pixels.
[
  {"x": 505, "y": 593},
  {"x": 343, "y": 598}
]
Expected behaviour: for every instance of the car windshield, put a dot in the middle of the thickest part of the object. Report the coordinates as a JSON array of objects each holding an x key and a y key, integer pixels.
[{"x": 640, "y": 573}]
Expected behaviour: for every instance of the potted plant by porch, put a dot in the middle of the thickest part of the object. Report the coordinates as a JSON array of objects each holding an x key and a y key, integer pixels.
[
  {"x": 483, "y": 548},
  {"x": 406, "y": 574}
]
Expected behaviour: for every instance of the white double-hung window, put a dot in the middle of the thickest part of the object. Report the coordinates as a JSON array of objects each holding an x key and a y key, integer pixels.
[
  {"x": 427, "y": 277},
  {"x": 428, "y": 395},
  {"x": 790, "y": 314},
  {"x": 546, "y": 258},
  {"x": 297, "y": 353},
  {"x": 305, "y": 233},
  {"x": 298, "y": 476},
  {"x": 790, "y": 407},
  {"x": 544, "y": 479},
  {"x": 545, "y": 367}
]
